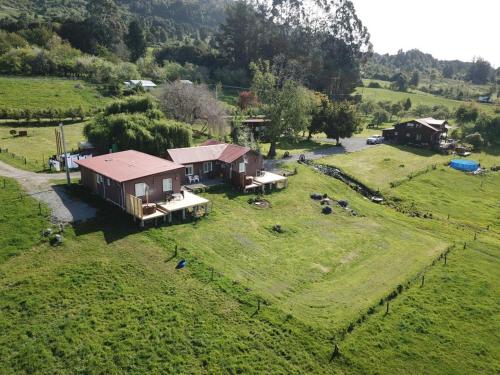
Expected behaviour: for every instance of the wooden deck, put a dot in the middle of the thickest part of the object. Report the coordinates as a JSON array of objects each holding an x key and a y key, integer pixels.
[
  {"x": 267, "y": 179},
  {"x": 191, "y": 203},
  {"x": 203, "y": 185}
]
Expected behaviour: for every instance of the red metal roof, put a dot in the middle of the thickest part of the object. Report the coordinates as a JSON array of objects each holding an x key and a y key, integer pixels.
[
  {"x": 220, "y": 151},
  {"x": 128, "y": 165},
  {"x": 233, "y": 152}
]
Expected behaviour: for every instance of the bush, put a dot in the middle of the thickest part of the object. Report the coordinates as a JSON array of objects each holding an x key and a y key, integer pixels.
[
  {"x": 137, "y": 132},
  {"x": 374, "y": 85},
  {"x": 476, "y": 140},
  {"x": 132, "y": 104}
]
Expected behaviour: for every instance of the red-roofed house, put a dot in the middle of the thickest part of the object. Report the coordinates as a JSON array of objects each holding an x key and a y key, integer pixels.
[
  {"x": 113, "y": 176},
  {"x": 213, "y": 159}
]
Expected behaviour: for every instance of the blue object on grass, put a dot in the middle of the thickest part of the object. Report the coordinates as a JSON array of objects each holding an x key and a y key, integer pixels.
[
  {"x": 464, "y": 165},
  {"x": 181, "y": 264}
]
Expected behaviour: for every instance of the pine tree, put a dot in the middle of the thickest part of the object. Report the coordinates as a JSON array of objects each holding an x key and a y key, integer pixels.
[{"x": 136, "y": 40}]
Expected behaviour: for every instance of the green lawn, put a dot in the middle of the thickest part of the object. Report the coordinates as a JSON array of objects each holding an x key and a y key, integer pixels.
[
  {"x": 295, "y": 147},
  {"x": 450, "y": 326},
  {"x": 43, "y": 93},
  {"x": 416, "y": 97},
  {"x": 318, "y": 269},
  {"x": 38, "y": 146},
  {"x": 109, "y": 299},
  {"x": 378, "y": 166},
  {"x": 436, "y": 191}
]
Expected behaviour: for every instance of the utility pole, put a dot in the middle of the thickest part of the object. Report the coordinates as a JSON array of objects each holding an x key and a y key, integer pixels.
[{"x": 68, "y": 179}]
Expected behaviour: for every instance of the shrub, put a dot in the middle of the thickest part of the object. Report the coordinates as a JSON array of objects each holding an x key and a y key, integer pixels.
[
  {"x": 374, "y": 85},
  {"x": 476, "y": 140}
]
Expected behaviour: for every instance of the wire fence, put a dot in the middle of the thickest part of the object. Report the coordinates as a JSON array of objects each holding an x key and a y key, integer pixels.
[{"x": 35, "y": 164}]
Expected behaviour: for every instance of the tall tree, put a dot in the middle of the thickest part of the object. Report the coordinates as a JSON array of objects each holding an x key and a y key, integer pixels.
[
  {"x": 135, "y": 39},
  {"x": 415, "y": 79},
  {"x": 480, "y": 71},
  {"x": 288, "y": 105},
  {"x": 105, "y": 22},
  {"x": 342, "y": 121}
]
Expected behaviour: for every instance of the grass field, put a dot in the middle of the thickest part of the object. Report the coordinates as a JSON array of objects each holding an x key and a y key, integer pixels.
[
  {"x": 109, "y": 299},
  {"x": 417, "y": 98},
  {"x": 38, "y": 146},
  {"x": 449, "y": 326},
  {"x": 43, "y": 93},
  {"x": 305, "y": 270},
  {"x": 378, "y": 166},
  {"x": 295, "y": 148}
]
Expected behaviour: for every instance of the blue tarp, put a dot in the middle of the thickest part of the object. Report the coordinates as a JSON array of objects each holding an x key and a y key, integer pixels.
[{"x": 464, "y": 165}]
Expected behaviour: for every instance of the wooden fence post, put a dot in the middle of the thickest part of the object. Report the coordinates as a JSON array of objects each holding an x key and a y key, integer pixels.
[{"x": 423, "y": 281}]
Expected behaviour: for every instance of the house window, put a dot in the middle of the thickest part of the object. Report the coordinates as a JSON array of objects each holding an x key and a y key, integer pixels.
[
  {"x": 140, "y": 189},
  {"x": 418, "y": 137},
  {"x": 108, "y": 181},
  {"x": 207, "y": 167},
  {"x": 395, "y": 133},
  {"x": 242, "y": 167},
  {"x": 189, "y": 169},
  {"x": 167, "y": 184},
  {"x": 99, "y": 179},
  {"x": 408, "y": 135}
]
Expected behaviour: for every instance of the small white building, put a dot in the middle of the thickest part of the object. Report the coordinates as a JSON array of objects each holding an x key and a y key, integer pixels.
[{"x": 145, "y": 84}]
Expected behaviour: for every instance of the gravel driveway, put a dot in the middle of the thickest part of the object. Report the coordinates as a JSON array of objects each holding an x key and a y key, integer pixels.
[
  {"x": 352, "y": 144},
  {"x": 64, "y": 207}
]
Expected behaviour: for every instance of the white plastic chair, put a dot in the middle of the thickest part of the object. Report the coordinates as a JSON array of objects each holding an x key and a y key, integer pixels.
[{"x": 196, "y": 178}]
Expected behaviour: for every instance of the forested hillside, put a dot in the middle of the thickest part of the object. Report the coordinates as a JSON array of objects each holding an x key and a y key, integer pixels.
[
  {"x": 165, "y": 18},
  {"x": 385, "y": 66}
]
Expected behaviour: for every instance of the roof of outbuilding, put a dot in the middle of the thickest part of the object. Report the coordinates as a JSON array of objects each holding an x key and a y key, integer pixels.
[
  {"x": 207, "y": 152},
  {"x": 128, "y": 165},
  {"x": 143, "y": 82},
  {"x": 428, "y": 122}
]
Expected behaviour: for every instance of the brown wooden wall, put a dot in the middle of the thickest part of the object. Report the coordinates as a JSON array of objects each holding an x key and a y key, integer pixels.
[
  {"x": 155, "y": 184},
  {"x": 116, "y": 191}
]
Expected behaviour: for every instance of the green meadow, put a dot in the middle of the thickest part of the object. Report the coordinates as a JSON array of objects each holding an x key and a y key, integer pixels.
[
  {"x": 37, "y": 146},
  {"x": 48, "y": 92},
  {"x": 250, "y": 300}
]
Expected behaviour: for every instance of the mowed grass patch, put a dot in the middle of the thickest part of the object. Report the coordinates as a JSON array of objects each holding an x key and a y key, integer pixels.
[
  {"x": 38, "y": 145},
  {"x": 324, "y": 269},
  {"x": 21, "y": 220},
  {"x": 109, "y": 300},
  {"x": 449, "y": 326},
  {"x": 44, "y": 93},
  {"x": 295, "y": 147},
  {"x": 473, "y": 200}
]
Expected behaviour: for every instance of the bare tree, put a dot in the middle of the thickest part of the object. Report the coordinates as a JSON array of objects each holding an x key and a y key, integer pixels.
[{"x": 193, "y": 103}]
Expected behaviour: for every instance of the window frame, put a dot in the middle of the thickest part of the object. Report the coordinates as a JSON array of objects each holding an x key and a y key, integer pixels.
[
  {"x": 244, "y": 167},
  {"x": 188, "y": 166},
  {"x": 171, "y": 184},
  {"x": 207, "y": 167},
  {"x": 144, "y": 187}
]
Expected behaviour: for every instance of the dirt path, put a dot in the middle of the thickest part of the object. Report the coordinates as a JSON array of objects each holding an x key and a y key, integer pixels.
[{"x": 64, "y": 208}]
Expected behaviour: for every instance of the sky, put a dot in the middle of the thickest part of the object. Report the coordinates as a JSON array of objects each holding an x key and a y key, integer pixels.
[{"x": 447, "y": 29}]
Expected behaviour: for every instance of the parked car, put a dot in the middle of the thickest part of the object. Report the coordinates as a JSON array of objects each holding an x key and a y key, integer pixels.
[{"x": 374, "y": 139}]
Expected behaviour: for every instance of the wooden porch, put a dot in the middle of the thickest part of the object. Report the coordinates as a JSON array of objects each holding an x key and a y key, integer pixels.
[
  {"x": 266, "y": 180},
  {"x": 187, "y": 203}
]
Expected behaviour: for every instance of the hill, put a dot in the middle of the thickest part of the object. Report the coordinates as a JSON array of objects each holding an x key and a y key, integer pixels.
[
  {"x": 384, "y": 66},
  {"x": 167, "y": 18}
]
